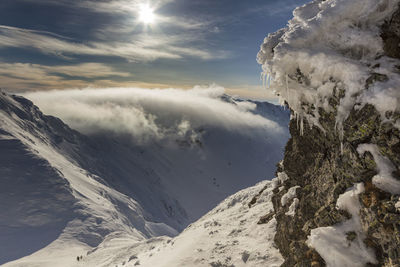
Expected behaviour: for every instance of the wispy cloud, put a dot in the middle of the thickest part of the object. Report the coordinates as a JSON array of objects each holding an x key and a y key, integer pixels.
[
  {"x": 24, "y": 77},
  {"x": 104, "y": 6},
  {"x": 20, "y": 76},
  {"x": 278, "y": 8},
  {"x": 123, "y": 36},
  {"x": 22, "y": 38},
  {"x": 143, "y": 47}
]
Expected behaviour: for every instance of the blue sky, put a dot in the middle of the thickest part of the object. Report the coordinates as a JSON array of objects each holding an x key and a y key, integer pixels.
[{"x": 56, "y": 44}]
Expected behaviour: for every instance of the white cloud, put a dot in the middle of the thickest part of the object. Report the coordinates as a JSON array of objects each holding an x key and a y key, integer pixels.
[
  {"x": 153, "y": 114},
  {"x": 142, "y": 47}
]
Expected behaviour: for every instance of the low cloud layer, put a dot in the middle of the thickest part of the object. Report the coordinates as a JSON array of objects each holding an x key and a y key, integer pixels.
[{"x": 153, "y": 115}]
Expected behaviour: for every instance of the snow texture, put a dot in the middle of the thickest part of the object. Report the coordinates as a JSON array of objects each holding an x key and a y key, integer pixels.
[
  {"x": 332, "y": 242},
  {"x": 397, "y": 205},
  {"x": 226, "y": 236},
  {"x": 384, "y": 180},
  {"x": 293, "y": 207},
  {"x": 282, "y": 177},
  {"x": 332, "y": 46},
  {"x": 289, "y": 195}
]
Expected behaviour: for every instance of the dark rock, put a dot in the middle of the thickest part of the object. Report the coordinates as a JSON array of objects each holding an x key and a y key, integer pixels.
[
  {"x": 266, "y": 218},
  {"x": 325, "y": 165},
  {"x": 391, "y": 35},
  {"x": 316, "y": 162},
  {"x": 351, "y": 235}
]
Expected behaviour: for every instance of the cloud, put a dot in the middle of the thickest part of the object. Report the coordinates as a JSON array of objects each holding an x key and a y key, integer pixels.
[
  {"x": 108, "y": 6},
  {"x": 21, "y": 77},
  {"x": 26, "y": 75},
  {"x": 142, "y": 47},
  {"x": 127, "y": 7},
  {"x": 276, "y": 9},
  {"x": 154, "y": 115}
]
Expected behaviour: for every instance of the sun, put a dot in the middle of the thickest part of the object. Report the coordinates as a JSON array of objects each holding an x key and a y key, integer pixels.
[{"x": 146, "y": 14}]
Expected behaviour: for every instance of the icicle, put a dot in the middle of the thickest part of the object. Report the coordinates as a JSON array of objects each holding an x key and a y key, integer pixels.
[
  {"x": 287, "y": 86},
  {"x": 339, "y": 130},
  {"x": 301, "y": 126},
  {"x": 341, "y": 148}
]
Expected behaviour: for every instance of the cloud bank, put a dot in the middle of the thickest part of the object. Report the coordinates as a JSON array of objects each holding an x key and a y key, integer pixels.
[{"x": 148, "y": 115}]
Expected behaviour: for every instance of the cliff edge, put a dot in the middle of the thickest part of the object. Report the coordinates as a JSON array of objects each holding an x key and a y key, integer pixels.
[{"x": 336, "y": 65}]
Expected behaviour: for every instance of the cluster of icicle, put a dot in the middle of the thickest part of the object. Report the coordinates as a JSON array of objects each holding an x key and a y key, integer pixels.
[{"x": 332, "y": 47}]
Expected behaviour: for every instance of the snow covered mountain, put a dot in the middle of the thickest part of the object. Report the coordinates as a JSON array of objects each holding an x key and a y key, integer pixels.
[
  {"x": 47, "y": 195},
  {"x": 64, "y": 194},
  {"x": 229, "y": 235}
]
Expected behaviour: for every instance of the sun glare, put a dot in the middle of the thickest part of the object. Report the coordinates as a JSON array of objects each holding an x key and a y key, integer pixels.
[{"x": 146, "y": 14}]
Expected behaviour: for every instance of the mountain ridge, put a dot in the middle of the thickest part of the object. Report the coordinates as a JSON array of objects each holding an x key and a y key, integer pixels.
[{"x": 82, "y": 198}]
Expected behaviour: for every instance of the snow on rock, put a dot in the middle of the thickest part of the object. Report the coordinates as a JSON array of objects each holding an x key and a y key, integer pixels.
[
  {"x": 384, "y": 180},
  {"x": 293, "y": 207},
  {"x": 330, "y": 47},
  {"x": 342, "y": 244},
  {"x": 397, "y": 205},
  {"x": 289, "y": 195},
  {"x": 282, "y": 177},
  {"x": 226, "y": 236}
]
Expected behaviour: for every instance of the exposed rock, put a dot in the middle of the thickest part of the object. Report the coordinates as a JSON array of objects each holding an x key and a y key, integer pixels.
[
  {"x": 325, "y": 164},
  {"x": 324, "y": 170},
  {"x": 266, "y": 218},
  {"x": 391, "y": 35}
]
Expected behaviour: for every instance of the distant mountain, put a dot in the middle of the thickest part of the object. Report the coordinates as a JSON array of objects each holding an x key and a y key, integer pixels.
[{"x": 63, "y": 193}]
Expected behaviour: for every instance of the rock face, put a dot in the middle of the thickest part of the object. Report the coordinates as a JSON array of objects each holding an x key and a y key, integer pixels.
[
  {"x": 316, "y": 163},
  {"x": 325, "y": 165}
]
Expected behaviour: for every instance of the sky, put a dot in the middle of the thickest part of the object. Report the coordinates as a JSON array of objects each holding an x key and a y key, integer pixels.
[{"x": 64, "y": 44}]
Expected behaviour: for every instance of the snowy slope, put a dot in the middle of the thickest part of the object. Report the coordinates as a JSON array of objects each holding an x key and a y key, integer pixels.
[
  {"x": 49, "y": 197},
  {"x": 64, "y": 194},
  {"x": 226, "y": 236},
  {"x": 190, "y": 143}
]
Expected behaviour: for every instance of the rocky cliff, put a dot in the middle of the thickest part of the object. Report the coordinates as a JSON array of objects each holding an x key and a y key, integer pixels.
[{"x": 338, "y": 201}]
